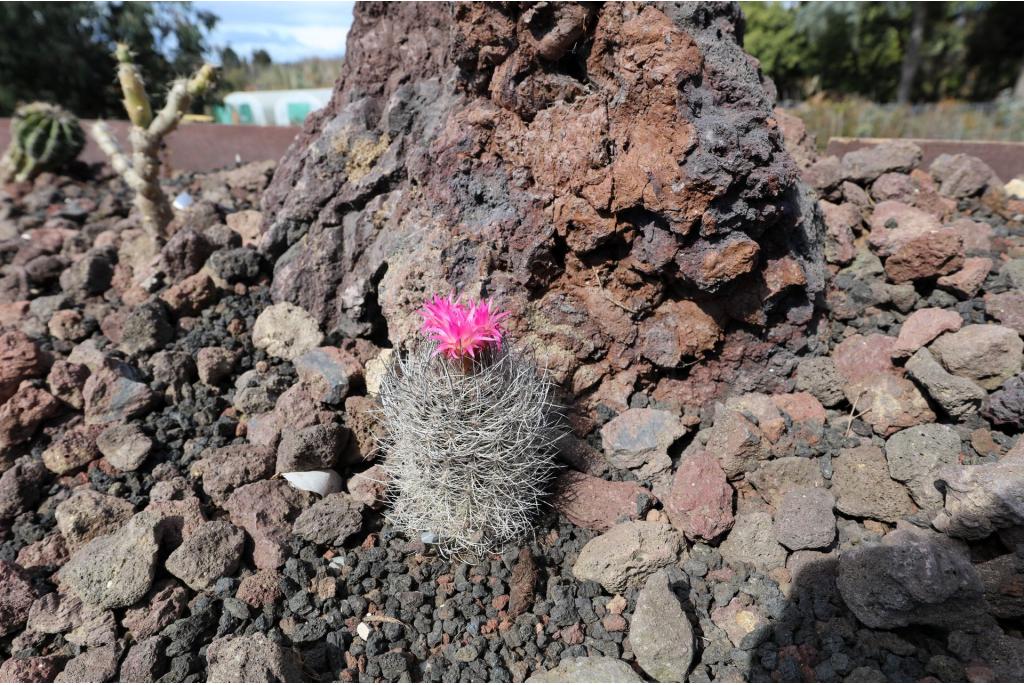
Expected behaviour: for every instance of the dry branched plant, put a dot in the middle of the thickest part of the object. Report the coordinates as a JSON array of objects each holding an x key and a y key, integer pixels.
[
  {"x": 470, "y": 446},
  {"x": 141, "y": 169}
]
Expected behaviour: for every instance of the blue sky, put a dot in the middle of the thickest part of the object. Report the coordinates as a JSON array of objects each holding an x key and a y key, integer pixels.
[{"x": 289, "y": 31}]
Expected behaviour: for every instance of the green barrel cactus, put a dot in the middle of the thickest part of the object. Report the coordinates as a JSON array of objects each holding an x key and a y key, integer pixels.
[{"x": 44, "y": 137}]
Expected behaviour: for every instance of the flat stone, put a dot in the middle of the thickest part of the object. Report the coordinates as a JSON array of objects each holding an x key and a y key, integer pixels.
[
  {"x": 588, "y": 669},
  {"x": 266, "y": 510},
  {"x": 912, "y": 577},
  {"x": 331, "y": 520},
  {"x": 88, "y": 514},
  {"x": 805, "y": 520},
  {"x": 916, "y": 455},
  {"x": 923, "y": 326},
  {"x": 628, "y": 554},
  {"x": 638, "y": 440},
  {"x": 699, "y": 502},
  {"x": 124, "y": 445},
  {"x": 597, "y": 504},
  {"x": 863, "y": 488},
  {"x": 660, "y": 633},
  {"x": 286, "y": 331},
  {"x": 958, "y": 397},
  {"x": 115, "y": 571},
  {"x": 776, "y": 477},
  {"x": 213, "y": 550},
  {"x": 251, "y": 659},
  {"x": 752, "y": 541},
  {"x": 984, "y": 353}
]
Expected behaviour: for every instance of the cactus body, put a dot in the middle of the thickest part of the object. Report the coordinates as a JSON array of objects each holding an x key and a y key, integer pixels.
[
  {"x": 469, "y": 447},
  {"x": 44, "y": 137}
]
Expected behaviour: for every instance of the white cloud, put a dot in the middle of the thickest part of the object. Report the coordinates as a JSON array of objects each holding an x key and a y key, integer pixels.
[{"x": 287, "y": 30}]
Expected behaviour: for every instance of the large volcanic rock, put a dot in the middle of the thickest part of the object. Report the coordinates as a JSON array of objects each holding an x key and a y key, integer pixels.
[{"x": 613, "y": 175}]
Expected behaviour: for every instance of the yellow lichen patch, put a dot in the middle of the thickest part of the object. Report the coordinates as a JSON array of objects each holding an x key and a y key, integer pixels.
[{"x": 362, "y": 155}]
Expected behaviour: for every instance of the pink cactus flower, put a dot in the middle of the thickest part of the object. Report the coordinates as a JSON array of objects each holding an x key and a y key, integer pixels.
[{"x": 461, "y": 330}]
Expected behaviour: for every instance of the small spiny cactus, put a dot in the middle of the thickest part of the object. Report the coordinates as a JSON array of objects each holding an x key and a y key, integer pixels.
[
  {"x": 471, "y": 433},
  {"x": 44, "y": 137}
]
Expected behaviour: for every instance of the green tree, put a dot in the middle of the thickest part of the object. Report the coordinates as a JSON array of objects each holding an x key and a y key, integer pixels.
[
  {"x": 772, "y": 36},
  {"x": 62, "y": 52}
]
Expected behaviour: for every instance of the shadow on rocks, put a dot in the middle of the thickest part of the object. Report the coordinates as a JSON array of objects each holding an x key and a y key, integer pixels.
[{"x": 914, "y": 605}]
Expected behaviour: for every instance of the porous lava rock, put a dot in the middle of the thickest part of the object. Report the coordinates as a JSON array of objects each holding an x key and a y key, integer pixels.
[{"x": 613, "y": 175}]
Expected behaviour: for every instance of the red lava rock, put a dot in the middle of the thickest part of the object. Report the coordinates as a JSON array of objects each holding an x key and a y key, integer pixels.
[
  {"x": 700, "y": 500},
  {"x": 329, "y": 373},
  {"x": 736, "y": 443},
  {"x": 614, "y": 623},
  {"x": 678, "y": 330},
  {"x": 191, "y": 295},
  {"x": 923, "y": 326},
  {"x": 179, "y": 518},
  {"x": 22, "y": 414},
  {"x": 166, "y": 602},
  {"x": 801, "y": 407},
  {"x": 112, "y": 394},
  {"x": 894, "y": 224},
  {"x": 16, "y": 597},
  {"x": 32, "y": 669},
  {"x": 841, "y": 221},
  {"x": 369, "y": 487},
  {"x": 931, "y": 254},
  {"x": 20, "y": 359},
  {"x": 976, "y": 235},
  {"x": 75, "y": 448},
  {"x": 225, "y": 469},
  {"x": 522, "y": 584},
  {"x": 66, "y": 380},
  {"x": 11, "y": 313},
  {"x": 597, "y": 504},
  {"x": 861, "y": 356},
  {"x": 889, "y": 403},
  {"x": 573, "y": 635},
  {"x": 1007, "y": 308},
  {"x": 266, "y": 510},
  {"x": 260, "y": 588},
  {"x": 49, "y": 553},
  {"x": 967, "y": 281}
]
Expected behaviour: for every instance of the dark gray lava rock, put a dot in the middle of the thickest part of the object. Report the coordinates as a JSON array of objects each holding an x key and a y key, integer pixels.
[
  {"x": 660, "y": 633},
  {"x": 912, "y": 577}
]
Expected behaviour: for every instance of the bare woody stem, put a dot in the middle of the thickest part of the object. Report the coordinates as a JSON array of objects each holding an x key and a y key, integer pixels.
[{"x": 141, "y": 171}]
